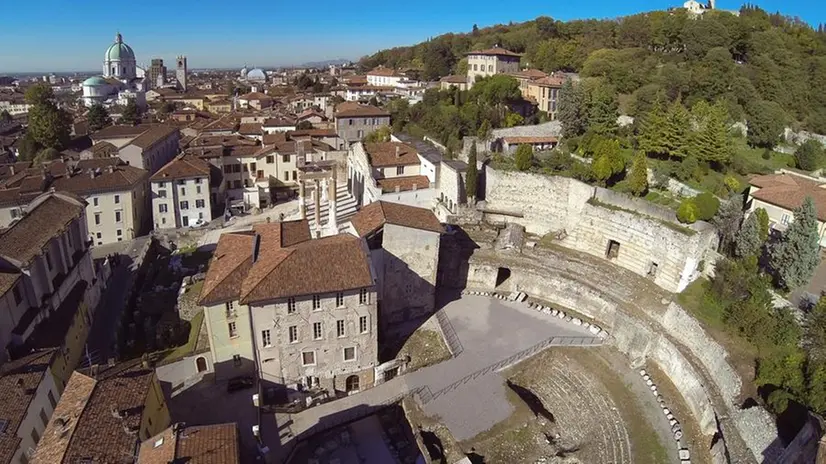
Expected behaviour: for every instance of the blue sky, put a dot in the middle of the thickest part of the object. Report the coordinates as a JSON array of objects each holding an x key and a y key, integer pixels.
[{"x": 46, "y": 35}]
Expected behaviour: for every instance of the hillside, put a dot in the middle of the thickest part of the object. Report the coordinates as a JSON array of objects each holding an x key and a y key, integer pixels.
[{"x": 718, "y": 56}]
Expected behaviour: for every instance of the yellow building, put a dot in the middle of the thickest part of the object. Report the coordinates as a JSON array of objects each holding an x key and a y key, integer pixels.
[{"x": 103, "y": 415}]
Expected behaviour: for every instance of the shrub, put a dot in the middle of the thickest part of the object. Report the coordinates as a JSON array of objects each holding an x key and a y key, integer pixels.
[
  {"x": 687, "y": 212},
  {"x": 523, "y": 157},
  {"x": 809, "y": 156},
  {"x": 707, "y": 206}
]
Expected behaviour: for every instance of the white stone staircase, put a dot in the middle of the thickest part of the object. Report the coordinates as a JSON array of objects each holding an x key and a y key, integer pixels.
[{"x": 345, "y": 209}]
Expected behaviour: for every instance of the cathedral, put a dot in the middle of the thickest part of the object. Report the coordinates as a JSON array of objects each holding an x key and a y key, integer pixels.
[{"x": 121, "y": 81}]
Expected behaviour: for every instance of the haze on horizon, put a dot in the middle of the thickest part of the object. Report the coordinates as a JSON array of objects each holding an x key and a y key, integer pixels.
[{"x": 282, "y": 34}]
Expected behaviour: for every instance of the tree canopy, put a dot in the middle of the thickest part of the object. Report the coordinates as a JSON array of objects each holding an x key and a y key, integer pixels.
[
  {"x": 98, "y": 117},
  {"x": 796, "y": 255},
  {"x": 49, "y": 125}
]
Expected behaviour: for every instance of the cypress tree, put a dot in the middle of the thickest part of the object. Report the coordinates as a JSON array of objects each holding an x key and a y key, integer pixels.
[
  {"x": 638, "y": 177},
  {"x": 748, "y": 241},
  {"x": 677, "y": 131},
  {"x": 472, "y": 175},
  {"x": 652, "y": 137}
]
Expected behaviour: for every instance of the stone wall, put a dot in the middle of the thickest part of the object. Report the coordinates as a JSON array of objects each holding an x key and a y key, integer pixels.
[{"x": 588, "y": 219}]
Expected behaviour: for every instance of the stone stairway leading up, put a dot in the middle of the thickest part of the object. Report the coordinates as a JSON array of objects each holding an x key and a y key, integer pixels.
[{"x": 345, "y": 208}]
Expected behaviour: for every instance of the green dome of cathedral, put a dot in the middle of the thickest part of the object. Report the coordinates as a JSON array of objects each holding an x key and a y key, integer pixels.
[{"x": 119, "y": 51}]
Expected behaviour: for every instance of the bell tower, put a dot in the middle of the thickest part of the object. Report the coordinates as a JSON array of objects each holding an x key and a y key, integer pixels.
[{"x": 180, "y": 72}]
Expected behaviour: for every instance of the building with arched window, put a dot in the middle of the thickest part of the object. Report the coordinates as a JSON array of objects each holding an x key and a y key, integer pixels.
[{"x": 122, "y": 79}]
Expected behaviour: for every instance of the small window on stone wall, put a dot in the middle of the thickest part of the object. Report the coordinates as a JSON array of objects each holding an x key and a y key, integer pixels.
[
  {"x": 613, "y": 249},
  {"x": 652, "y": 270}
]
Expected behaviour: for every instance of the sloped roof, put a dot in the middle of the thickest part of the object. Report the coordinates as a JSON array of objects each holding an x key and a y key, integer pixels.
[
  {"x": 495, "y": 51},
  {"x": 403, "y": 184},
  {"x": 384, "y": 154},
  {"x": 788, "y": 191},
  {"x": 181, "y": 167},
  {"x": 204, "y": 444},
  {"x": 375, "y": 215},
  {"x": 154, "y": 135},
  {"x": 228, "y": 268},
  {"x": 355, "y": 110}
]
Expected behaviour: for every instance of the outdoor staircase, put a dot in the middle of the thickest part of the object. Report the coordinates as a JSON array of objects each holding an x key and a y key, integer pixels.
[{"x": 345, "y": 209}]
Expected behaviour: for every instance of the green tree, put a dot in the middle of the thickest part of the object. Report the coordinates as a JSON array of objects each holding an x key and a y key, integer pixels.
[
  {"x": 472, "y": 175},
  {"x": 382, "y": 134},
  {"x": 29, "y": 147},
  {"x": 438, "y": 60},
  {"x": 45, "y": 155},
  {"x": 748, "y": 240},
  {"x": 763, "y": 223},
  {"x": 98, "y": 117},
  {"x": 712, "y": 142},
  {"x": 49, "y": 125},
  {"x": 523, "y": 157},
  {"x": 484, "y": 130},
  {"x": 572, "y": 111},
  {"x": 638, "y": 177},
  {"x": 514, "y": 119},
  {"x": 602, "y": 110},
  {"x": 728, "y": 219},
  {"x": 608, "y": 160},
  {"x": 652, "y": 135},
  {"x": 131, "y": 113},
  {"x": 687, "y": 211},
  {"x": 707, "y": 206},
  {"x": 809, "y": 156},
  {"x": 306, "y": 125},
  {"x": 766, "y": 120},
  {"x": 677, "y": 131},
  {"x": 796, "y": 255},
  {"x": 815, "y": 339}
]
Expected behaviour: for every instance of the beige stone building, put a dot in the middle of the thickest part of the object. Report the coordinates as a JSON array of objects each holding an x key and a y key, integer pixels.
[
  {"x": 146, "y": 146},
  {"x": 781, "y": 193},
  {"x": 296, "y": 310},
  {"x": 376, "y": 170},
  {"x": 355, "y": 121},
  {"x": 545, "y": 92},
  {"x": 489, "y": 62},
  {"x": 181, "y": 193}
]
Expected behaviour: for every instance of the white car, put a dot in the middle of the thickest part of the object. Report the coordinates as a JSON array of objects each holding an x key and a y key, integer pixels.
[{"x": 198, "y": 223}]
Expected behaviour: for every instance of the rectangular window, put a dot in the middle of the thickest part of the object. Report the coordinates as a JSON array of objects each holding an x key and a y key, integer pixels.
[
  {"x": 198, "y": 189},
  {"x": 318, "y": 333},
  {"x": 363, "y": 324},
  {"x": 295, "y": 175},
  {"x": 233, "y": 329},
  {"x": 236, "y": 184},
  {"x": 162, "y": 193},
  {"x": 285, "y": 158},
  {"x": 52, "y": 400},
  {"x": 181, "y": 182},
  {"x": 230, "y": 307},
  {"x": 119, "y": 233},
  {"x": 399, "y": 170},
  {"x": 363, "y": 296},
  {"x": 259, "y": 174},
  {"x": 117, "y": 199},
  {"x": 785, "y": 219},
  {"x": 48, "y": 260},
  {"x": 236, "y": 360},
  {"x": 350, "y": 353},
  {"x": 265, "y": 338},
  {"x": 340, "y": 299},
  {"x": 198, "y": 181},
  {"x": 162, "y": 208},
  {"x": 184, "y": 205},
  {"x": 253, "y": 167},
  {"x": 183, "y": 191},
  {"x": 316, "y": 302},
  {"x": 17, "y": 296},
  {"x": 35, "y": 436},
  {"x": 97, "y": 219},
  {"x": 308, "y": 358},
  {"x": 43, "y": 417},
  {"x": 292, "y": 333},
  {"x": 117, "y": 216},
  {"x": 290, "y": 305},
  {"x": 95, "y": 201},
  {"x": 199, "y": 203},
  {"x": 162, "y": 184},
  {"x": 286, "y": 175},
  {"x": 340, "y": 328},
  {"x": 270, "y": 159}
]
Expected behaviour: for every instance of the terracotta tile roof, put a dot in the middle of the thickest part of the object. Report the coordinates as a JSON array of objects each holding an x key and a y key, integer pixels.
[
  {"x": 403, "y": 184},
  {"x": 528, "y": 74},
  {"x": 278, "y": 122},
  {"x": 155, "y": 135},
  {"x": 88, "y": 411},
  {"x": 7, "y": 170},
  {"x": 386, "y": 154},
  {"x": 270, "y": 139},
  {"x": 120, "y": 131},
  {"x": 182, "y": 167},
  {"x": 226, "y": 123},
  {"x": 550, "y": 81},
  {"x": 230, "y": 263},
  {"x": 454, "y": 79},
  {"x": 359, "y": 111},
  {"x": 114, "y": 176},
  {"x": 495, "y": 51},
  {"x": 103, "y": 149},
  {"x": 325, "y": 265},
  {"x": 19, "y": 380},
  {"x": 310, "y": 112},
  {"x": 205, "y": 444},
  {"x": 385, "y": 72},
  {"x": 517, "y": 140},
  {"x": 51, "y": 213},
  {"x": 255, "y": 96},
  {"x": 314, "y": 133},
  {"x": 222, "y": 140},
  {"x": 375, "y": 215},
  {"x": 252, "y": 128},
  {"x": 788, "y": 191}
]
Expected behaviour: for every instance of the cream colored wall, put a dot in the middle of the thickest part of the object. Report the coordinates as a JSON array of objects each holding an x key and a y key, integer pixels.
[
  {"x": 155, "y": 417},
  {"x": 32, "y": 421},
  {"x": 488, "y": 66},
  {"x": 222, "y": 347},
  {"x": 776, "y": 214},
  {"x": 175, "y": 194},
  {"x": 390, "y": 172},
  {"x": 132, "y": 207}
]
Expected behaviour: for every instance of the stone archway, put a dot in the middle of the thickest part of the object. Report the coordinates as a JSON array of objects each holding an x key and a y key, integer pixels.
[
  {"x": 351, "y": 384},
  {"x": 201, "y": 364}
]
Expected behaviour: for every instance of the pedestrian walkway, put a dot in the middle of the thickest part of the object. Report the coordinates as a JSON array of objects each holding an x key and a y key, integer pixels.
[{"x": 466, "y": 391}]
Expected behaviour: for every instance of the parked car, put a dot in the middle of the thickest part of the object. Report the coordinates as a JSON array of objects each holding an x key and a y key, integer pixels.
[
  {"x": 240, "y": 383},
  {"x": 198, "y": 223}
]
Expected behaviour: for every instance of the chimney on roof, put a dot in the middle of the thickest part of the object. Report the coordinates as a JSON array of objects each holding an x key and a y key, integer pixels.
[
  {"x": 111, "y": 168},
  {"x": 92, "y": 173},
  {"x": 20, "y": 383},
  {"x": 256, "y": 247},
  {"x": 43, "y": 173},
  {"x": 398, "y": 152},
  {"x": 11, "y": 169}
]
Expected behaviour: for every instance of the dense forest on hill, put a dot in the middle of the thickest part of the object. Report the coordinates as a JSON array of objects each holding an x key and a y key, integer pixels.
[{"x": 741, "y": 60}]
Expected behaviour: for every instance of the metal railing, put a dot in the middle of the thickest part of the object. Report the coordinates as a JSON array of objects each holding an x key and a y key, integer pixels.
[{"x": 451, "y": 338}]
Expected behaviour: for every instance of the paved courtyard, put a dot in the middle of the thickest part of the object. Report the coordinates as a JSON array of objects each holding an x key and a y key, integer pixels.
[{"x": 467, "y": 391}]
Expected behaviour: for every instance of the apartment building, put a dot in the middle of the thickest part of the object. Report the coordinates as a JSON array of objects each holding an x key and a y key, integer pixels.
[
  {"x": 103, "y": 415},
  {"x": 781, "y": 193},
  {"x": 28, "y": 396},
  {"x": 489, "y": 62},
  {"x": 384, "y": 77},
  {"x": 354, "y": 121},
  {"x": 146, "y": 146},
  {"x": 379, "y": 169},
  {"x": 47, "y": 275},
  {"x": 181, "y": 193},
  {"x": 296, "y": 310}
]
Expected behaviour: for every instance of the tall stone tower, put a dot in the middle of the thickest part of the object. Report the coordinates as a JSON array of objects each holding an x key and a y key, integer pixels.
[{"x": 180, "y": 72}]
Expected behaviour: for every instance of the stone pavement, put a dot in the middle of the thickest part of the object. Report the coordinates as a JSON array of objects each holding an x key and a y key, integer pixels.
[{"x": 469, "y": 394}]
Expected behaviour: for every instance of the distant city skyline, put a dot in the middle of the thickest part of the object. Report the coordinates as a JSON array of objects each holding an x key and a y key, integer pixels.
[{"x": 272, "y": 34}]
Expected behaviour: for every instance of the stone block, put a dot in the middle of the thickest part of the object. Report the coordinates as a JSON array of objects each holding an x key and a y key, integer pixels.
[
  {"x": 684, "y": 454},
  {"x": 576, "y": 321},
  {"x": 594, "y": 329}
]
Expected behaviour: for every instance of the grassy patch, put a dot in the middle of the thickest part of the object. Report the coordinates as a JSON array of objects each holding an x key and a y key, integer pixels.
[
  {"x": 425, "y": 348},
  {"x": 188, "y": 348},
  {"x": 662, "y": 199},
  {"x": 675, "y": 227},
  {"x": 693, "y": 299}
]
